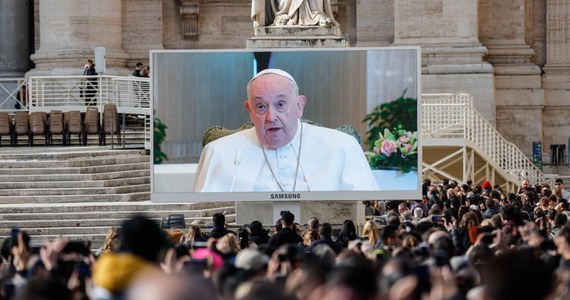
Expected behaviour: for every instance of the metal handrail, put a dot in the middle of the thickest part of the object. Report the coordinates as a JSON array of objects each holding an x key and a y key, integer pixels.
[
  {"x": 453, "y": 116},
  {"x": 130, "y": 94},
  {"x": 442, "y": 115}
]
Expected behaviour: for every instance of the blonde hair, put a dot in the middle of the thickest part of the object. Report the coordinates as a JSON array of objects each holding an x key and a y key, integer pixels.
[
  {"x": 310, "y": 236},
  {"x": 370, "y": 231},
  {"x": 111, "y": 240},
  {"x": 193, "y": 232},
  {"x": 232, "y": 241}
]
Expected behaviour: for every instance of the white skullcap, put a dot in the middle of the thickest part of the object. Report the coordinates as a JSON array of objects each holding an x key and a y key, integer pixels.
[{"x": 273, "y": 71}]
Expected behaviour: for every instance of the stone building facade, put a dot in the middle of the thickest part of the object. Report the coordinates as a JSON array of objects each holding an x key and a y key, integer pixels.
[{"x": 512, "y": 56}]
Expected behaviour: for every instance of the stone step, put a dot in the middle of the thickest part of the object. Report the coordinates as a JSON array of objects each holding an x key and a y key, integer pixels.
[
  {"x": 76, "y": 184},
  {"x": 75, "y": 177},
  {"x": 84, "y": 227},
  {"x": 76, "y": 170},
  {"x": 95, "y": 239},
  {"x": 105, "y": 206},
  {"x": 139, "y": 196},
  {"x": 64, "y": 153},
  {"x": 78, "y": 162},
  {"x": 73, "y": 190},
  {"x": 94, "y": 220},
  {"x": 205, "y": 214}
]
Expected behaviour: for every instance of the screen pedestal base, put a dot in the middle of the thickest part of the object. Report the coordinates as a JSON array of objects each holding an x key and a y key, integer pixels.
[{"x": 334, "y": 212}]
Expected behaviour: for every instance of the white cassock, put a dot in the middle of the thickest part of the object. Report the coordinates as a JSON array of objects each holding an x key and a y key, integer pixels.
[{"x": 330, "y": 160}]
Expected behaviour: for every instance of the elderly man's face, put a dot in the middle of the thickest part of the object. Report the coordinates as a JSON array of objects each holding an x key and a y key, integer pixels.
[{"x": 274, "y": 108}]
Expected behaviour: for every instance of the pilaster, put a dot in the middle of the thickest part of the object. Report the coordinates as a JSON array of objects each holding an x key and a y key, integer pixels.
[
  {"x": 452, "y": 55},
  {"x": 519, "y": 93},
  {"x": 556, "y": 78},
  {"x": 70, "y": 30}
]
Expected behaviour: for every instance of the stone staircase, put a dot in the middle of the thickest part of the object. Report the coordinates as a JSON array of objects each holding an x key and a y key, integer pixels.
[{"x": 80, "y": 192}]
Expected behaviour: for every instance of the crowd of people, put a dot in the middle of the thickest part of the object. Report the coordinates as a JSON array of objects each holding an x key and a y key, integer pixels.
[{"x": 459, "y": 242}]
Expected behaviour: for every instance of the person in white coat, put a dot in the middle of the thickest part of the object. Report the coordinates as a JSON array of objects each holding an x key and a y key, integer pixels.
[{"x": 281, "y": 153}]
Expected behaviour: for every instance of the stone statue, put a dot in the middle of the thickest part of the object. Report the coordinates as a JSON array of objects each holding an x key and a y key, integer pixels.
[{"x": 292, "y": 13}]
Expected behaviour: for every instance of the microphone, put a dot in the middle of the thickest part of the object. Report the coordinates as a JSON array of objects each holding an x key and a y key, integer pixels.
[{"x": 237, "y": 162}]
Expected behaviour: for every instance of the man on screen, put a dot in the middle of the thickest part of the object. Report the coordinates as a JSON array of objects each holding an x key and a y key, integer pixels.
[{"x": 281, "y": 153}]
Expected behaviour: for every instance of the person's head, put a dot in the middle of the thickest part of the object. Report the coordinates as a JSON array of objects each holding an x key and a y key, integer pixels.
[
  {"x": 558, "y": 184},
  {"x": 469, "y": 219},
  {"x": 219, "y": 220},
  {"x": 486, "y": 185},
  {"x": 313, "y": 224},
  {"x": 228, "y": 244},
  {"x": 256, "y": 226},
  {"x": 172, "y": 287},
  {"x": 145, "y": 71},
  {"x": 348, "y": 230},
  {"x": 89, "y": 63},
  {"x": 287, "y": 219},
  {"x": 139, "y": 65},
  {"x": 560, "y": 220},
  {"x": 370, "y": 231},
  {"x": 252, "y": 260},
  {"x": 418, "y": 213},
  {"x": 562, "y": 241},
  {"x": 43, "y": 289},
  {"x": 403, "y": 207},
  {"x": 274, "y": 107},
  {"x": 509, "y": 212},
  {"x": 391, "y": 236},
  {"x": 326, "y": 230},
  {"x": 142, "y": 237},
  {"x": 519, "y": 274},
  {"x": 193, "y": 233}
]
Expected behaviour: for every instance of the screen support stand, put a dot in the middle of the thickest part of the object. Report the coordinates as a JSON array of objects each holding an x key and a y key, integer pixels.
[{"x": 268, "y": 212}]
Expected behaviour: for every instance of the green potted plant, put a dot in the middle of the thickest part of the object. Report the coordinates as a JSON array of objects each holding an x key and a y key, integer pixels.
[
  {"x": 392, "y": 135},
  {"x": 159, "y": 134}
]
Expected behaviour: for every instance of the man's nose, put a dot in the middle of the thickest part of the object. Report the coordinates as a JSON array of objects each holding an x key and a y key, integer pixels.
[{"x": 270, "y": 115}]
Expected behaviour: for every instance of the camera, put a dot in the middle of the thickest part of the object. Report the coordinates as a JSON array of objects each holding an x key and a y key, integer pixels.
[{"x": 436, "y": 218}]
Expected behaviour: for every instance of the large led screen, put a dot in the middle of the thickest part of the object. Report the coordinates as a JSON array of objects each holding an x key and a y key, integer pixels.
[{"x": 375, "y": 91}]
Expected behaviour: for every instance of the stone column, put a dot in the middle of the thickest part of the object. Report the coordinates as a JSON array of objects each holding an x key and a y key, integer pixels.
[
  {"x": 452, "y": 56},
  {"x": 556, "y": 80},
  {"x": 518, "y": 88},
  {"x": 70, "y": 30},
  {"x": 14, "y": 37}
]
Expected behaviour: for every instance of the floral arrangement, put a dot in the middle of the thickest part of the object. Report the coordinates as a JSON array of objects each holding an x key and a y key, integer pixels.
[{"x": 395, "y": 148}]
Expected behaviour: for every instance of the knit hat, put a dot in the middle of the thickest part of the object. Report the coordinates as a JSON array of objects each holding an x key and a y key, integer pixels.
[
  {"x": 486, "y": 185},
  {"x": 251, "y": 259}
]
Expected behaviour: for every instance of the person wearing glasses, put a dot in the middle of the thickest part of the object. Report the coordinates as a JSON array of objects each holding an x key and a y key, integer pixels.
[
  {"x": 559, "y": 189},
  {"x": 281, "y": 152}
]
